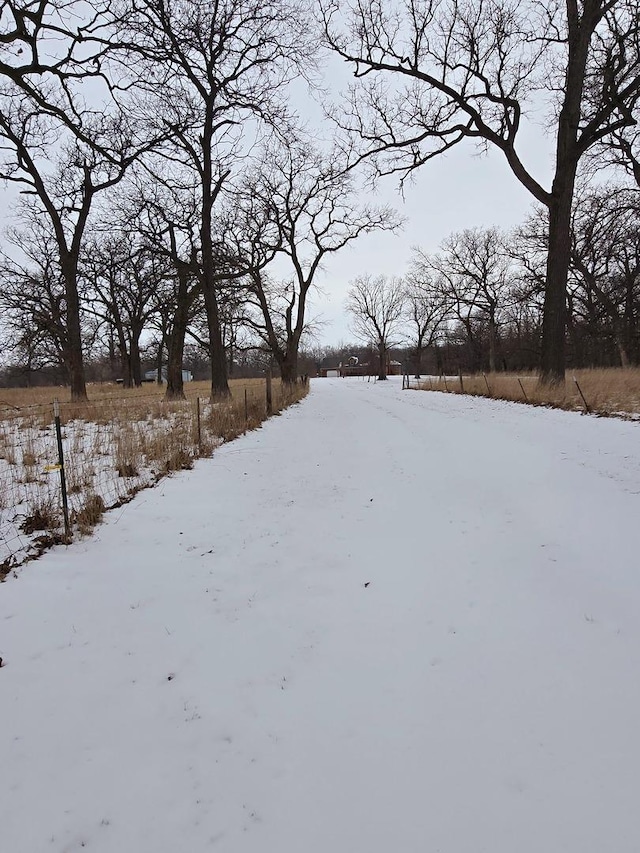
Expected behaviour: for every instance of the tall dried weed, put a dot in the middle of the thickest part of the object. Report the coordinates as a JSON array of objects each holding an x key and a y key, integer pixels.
[{"x": 607, "y": 391}]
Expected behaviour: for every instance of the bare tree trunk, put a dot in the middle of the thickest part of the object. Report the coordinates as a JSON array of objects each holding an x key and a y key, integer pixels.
[
  {"x": 419, "y": 350},
  {"x": 492, "y": 342},
  {"x": 231, "y": 354},
  {"x": 382, "y": 357},
  {"x": 159, "y": 356},
  {"x": 552, "y": 361},
  {"x": 112, "y": 355},
  {"x": 289, "y": 369},
  {"x": 136, "y": 367},
  {"x": 125, "y": 367},
  {"x": 175, "y": 383},
  {"x": 219, "y": 381},
  {"x": 622, "y": 352},
  {"x": 74, "y": 358}
]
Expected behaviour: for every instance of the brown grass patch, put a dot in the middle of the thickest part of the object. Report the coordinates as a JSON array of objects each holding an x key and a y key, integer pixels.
[
  {"x": 44, "y": 516},
  {"x": 180, "y": 460},
  {"x": 114, "y": 446},
  {"x": 607, "y": 391},
  {"x": 89, "y": 515}
]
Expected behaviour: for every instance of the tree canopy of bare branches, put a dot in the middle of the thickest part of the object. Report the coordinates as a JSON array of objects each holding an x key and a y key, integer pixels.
[
  {"x": 376, "y": 306},
  {"x": 433, "y": 73}
]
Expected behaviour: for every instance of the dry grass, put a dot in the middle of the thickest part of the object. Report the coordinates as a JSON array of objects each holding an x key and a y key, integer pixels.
[
  {"x": 611, "y": 391},
  {"x": 90, "y": 514},
  {"x": 113, "y": 447},
  {"x": 16, "y": 400},
  {"x": 45, "y": 515}
]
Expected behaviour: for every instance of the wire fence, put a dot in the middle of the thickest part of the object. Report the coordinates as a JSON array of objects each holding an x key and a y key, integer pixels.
[
  {"x": 63, "y": 464},
  {"x": 605, "y": 393}
]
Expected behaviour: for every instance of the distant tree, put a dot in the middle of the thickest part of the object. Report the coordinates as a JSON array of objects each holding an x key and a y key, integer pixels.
[
  {"x": 428, "y": 305},
  {"x": 605, "y": 257},
  {"x": 376, "y": 305},
  {"x": 62, "y": 175},
  {"x": 603, "y": 282},
  {"x": 122, "y": 279},
  {"x": 473, "y": 270},
  {"x": 164, "y": 214},
  {"x": 32, "y": 300},
  {"x": 56, "y": 147},
  {"x": 307, "y": 211}
]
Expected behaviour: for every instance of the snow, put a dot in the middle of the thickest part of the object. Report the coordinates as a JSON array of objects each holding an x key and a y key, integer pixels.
[
  {"x": 210, "y": 671},
  {"x": 94, "y": 452}
]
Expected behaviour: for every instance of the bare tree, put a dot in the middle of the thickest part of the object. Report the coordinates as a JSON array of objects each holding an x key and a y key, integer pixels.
[
  {"x": 433, "y": 73},
  {"x": 621, "y": 150},
  {"x": 216, "y": 73},
  {"x": 62, "y": 175},
  {"x": 309, "y": 213},
  {"x": 57, "y": 148},
  {"x": 48, "y": 46},
  {"x": 123, "y": 280},
  {"x": 474, "y": 272},
  {"x": 605, "y": 257},
  {"x": 32, "y": 302},
  {"x": 603, "y": 280},
  {"x": 165, "y": 216},
  {"x": 427, "y": 303},
  {"x": 376, "y": 305}
]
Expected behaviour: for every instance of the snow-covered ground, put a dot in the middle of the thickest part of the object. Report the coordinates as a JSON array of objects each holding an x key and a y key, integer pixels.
[
  {"x": 114, "y": 456},
  {"x": 386, "y": 621}
]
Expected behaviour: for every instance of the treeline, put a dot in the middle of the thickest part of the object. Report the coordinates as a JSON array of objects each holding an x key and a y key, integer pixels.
[
  {"x": 477, "y": 303},
  {"x": 480, "y": 299},
  {"x": 169, "y": 196}
]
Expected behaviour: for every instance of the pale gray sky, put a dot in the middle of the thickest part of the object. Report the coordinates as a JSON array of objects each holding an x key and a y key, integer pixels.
[{"x": 453, "y": 192}]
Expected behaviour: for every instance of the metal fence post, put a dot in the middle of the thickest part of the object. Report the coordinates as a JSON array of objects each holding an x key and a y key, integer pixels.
[
  {"x": 63, "y": 479},
  {"x": 199, "y": 426},
  {"x": 269, "y": 395},
  {"x": 524, "y": 393}
]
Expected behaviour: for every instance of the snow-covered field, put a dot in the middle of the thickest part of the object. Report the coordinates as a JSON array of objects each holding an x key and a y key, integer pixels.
[
  {"x": 112, "y": 457},
  {"x": 386, "y": 621}
]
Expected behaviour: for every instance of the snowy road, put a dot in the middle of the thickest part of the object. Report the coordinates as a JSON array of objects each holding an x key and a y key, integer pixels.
[{"x": 387, "y": 622}]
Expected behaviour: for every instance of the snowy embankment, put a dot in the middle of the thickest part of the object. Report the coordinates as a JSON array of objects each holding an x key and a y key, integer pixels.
[{"x": 386, "y": 621}]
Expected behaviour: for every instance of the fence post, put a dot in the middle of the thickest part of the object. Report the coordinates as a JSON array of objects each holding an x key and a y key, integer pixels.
[
  {"x": 586, "y": 405},
  {"x": 269, "y": 395},
  {"x": 246, "y": 407},
  {"x": 524, "y": 393},
  {"x": 199, "y": 426},
  {"x": 63, "y": 479},
  {"x": 486, "y": 382},
  {"x": 460, "y": 376}
]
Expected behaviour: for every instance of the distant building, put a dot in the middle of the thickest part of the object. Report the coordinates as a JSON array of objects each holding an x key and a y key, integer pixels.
[
  {"x": 329, "y": 367},
  {"x": 352, "y": 366},
  {"x": 152, "y": 375}
]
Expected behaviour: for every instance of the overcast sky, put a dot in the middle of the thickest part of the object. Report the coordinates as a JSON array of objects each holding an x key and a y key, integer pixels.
[
  {"x": 461, "y": 189},
  {"x": 456, "y": 191}
]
